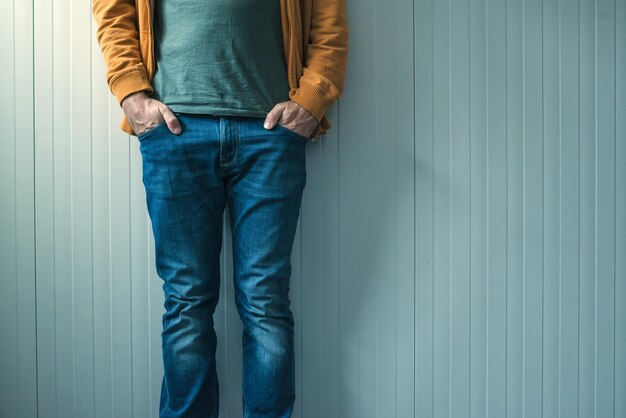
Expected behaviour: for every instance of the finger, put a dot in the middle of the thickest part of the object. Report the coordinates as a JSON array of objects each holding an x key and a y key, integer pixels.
[
  {"x": 170, "y": 119},
  {"x": 274, "y": 116}
]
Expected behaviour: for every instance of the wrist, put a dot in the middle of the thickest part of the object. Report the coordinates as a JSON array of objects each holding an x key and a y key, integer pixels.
[{"x": 134, "y": 97}]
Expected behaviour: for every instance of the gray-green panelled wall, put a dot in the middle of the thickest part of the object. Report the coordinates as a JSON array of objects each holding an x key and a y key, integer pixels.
[{"x": 461, "y": 250}]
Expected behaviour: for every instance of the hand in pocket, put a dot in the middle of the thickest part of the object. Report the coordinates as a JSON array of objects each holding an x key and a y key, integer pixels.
[{"x": 145, "y": 113}]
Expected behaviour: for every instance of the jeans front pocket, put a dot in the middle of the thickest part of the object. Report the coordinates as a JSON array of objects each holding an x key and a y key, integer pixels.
[
  {"x": 292, "y": 132},
  {"x": 143, "y": 135}
]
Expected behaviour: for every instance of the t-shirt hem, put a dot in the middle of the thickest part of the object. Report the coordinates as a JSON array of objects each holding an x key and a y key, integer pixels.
[{"x": 217, "y": 111}]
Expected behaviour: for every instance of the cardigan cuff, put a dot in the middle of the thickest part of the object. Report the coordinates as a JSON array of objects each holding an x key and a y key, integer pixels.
[
  {"x": 130, "y": 82},
  {"x": 312, "y": 99}
]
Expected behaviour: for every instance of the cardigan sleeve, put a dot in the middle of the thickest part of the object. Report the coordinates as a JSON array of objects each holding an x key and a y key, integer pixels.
[
  {"x": 119, "y": 42},
  {"x": 322, "y": 80}
]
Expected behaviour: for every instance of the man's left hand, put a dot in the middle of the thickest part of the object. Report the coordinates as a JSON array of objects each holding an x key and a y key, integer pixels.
[{"x": 292, "y": 116}]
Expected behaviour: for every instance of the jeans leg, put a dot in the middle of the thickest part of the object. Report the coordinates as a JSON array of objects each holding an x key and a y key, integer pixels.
[
  {"x": 185, "y": 199},
  {"x": 264, "y": 190}
]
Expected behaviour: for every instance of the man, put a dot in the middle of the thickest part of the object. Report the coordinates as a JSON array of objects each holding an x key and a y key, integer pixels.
[{"x": 223, "y": 96}]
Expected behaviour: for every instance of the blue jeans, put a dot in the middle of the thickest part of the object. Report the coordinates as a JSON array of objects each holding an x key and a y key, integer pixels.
[{"x": 189, "y": 178}]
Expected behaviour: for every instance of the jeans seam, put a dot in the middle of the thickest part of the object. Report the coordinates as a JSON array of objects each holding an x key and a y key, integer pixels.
[{"x": 233, "y": 128}]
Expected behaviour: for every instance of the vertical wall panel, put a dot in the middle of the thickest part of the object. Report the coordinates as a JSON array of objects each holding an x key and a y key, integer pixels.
[
  {"x": 81, "y": 211},
  {"x": 18, "y": 366},
  {"x": 514, "y": 173},
  {"x": 570, "y": 213},
  {"x": 532, "y": 212},
  {"x": 498, "y": 230},
  {"x": 459, "y": 209},
  {"x": 441, "y": 204},
  {"x": 620, "y": 210},
  {"x": 424, "y": 207},
  {"x": 477, "y": 159},
  {"x": 549, "y": 395},
  {"x": 548, "y": 157},
  {"x": 45, "y": 246},
  {"x": 403, "y": 183},
  {"x": 605, "y": 212},
  {"x": 588, "y": 214},
  {"x": 102, "y": 130},
  {"x": 461, "y": 240}
]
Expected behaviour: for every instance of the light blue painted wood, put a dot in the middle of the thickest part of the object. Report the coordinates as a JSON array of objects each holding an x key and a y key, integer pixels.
[
  {"x": 498, "y": 283},
  {"x": 588, "y": 213},
  {"x": 514, "y": 173},
  {"x": 82, "y": 333},
  {"x": 605, "y": 204},
  {"x": 478, "y": 249},
  {"x": 18, "y": 367},
  {"x": 102, "y": 132},
  {"x": 441, "y": 205},
  {"x": 551, "y": 225},
  {"x": 533, "y": 226},
  {"x": 459, "y": 196},
  {"x": 620, "y": 210},
  {"x": 461, "y": 240},
  {"x": 402, "y": 402},
  {"x": 50, "y": 400},
  {"x": 570, "y": 154},
  {"x": 424, "y": 207}
]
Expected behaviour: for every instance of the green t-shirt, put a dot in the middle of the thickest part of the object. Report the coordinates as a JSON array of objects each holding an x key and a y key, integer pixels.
[{"x": 219, "y": 57}]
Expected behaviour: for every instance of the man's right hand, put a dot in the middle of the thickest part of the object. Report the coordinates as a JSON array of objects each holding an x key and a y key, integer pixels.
[{"x": 144, "y": 112}]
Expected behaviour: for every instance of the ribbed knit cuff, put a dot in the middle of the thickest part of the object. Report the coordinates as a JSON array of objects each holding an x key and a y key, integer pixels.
[
  {"x": 312, "y": 99},
  {"x": 130, "y": 82}
]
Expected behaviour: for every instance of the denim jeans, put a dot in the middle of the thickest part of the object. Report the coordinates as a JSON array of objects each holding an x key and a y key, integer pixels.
[{"x": 189, "y": 178}]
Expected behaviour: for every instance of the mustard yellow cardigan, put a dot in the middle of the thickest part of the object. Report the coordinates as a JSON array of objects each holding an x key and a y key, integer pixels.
[{"x": 315, "y": 40}]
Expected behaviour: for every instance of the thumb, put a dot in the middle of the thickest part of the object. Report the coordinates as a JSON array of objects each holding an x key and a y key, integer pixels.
[
  {"x": 170, "y": 118},
  {"x": 274, "y": 116}
]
